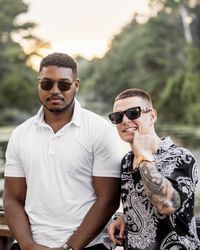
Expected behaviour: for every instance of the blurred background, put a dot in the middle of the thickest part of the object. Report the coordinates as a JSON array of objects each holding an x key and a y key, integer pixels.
[{"x": 149, "y": 44}]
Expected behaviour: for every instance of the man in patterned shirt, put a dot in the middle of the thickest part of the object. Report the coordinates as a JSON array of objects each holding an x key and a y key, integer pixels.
[{"x": 158, "y": 182}]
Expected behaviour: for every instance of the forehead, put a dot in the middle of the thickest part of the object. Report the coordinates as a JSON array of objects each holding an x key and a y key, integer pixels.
[
  {"x": 55, "y": 72},
  {"x": 130, "y": 102}
]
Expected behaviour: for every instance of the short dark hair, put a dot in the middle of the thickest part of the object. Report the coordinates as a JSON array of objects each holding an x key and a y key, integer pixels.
[
  {"x": 59, "y": 60},
  {"x": 134, "y": 92}
]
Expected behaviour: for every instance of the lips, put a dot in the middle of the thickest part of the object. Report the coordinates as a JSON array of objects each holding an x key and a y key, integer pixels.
[
  {"x": 130, "y": 129},
  {"x": 55, "y": 98}
]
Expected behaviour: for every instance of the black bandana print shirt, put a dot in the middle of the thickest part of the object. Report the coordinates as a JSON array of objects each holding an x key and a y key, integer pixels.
[{"x": 145, "y": 227}]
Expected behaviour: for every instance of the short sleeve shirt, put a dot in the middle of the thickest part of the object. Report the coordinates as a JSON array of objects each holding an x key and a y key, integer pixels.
[
  {"x": 58, "y": 168},
  {"x": 145, "y": 227}
]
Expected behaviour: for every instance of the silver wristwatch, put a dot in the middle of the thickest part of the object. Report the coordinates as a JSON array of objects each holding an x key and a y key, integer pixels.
[{"x": 67, "y": 247}]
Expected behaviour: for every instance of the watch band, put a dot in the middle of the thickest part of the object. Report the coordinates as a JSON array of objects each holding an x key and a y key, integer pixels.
[
  {"x": 67, "y": 247},
  {"x": 145, "y": 156}
]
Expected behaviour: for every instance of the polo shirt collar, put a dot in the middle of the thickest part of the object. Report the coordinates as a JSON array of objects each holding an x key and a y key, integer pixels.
[{"x": 76, "y": 118}]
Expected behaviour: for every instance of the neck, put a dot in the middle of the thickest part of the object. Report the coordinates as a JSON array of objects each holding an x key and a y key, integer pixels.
[
  {"x": 57, "y": 120},
  {"x": 156, "y": 137}
]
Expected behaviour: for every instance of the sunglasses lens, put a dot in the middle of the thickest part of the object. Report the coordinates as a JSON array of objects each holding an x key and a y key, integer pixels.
[
  {"x": 116, "y": 118},
  {"x": 133, "y": 113},
  {"x": 64, "y": 86},
  {"x": 46, "y": 85}
]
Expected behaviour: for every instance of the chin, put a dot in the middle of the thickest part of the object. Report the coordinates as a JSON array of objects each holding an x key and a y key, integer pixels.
[
  {"x": 128, "y": 139},
  {"x": 55, "y": 110}
]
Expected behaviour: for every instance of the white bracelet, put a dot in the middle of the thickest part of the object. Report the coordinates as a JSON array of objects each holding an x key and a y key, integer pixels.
[{"x": 67, "y": 247}]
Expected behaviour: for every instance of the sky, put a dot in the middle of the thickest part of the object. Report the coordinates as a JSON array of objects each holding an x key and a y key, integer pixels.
[{"x": 83, "y": 27}]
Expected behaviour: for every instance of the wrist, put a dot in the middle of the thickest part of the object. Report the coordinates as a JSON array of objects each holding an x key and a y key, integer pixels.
[
  {"x": 27, "y": 245},
  {"x": 145, "y": 156}
]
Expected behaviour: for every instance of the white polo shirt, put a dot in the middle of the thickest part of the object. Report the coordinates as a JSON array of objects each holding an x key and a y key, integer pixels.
[{"x": 58, "y": 168}]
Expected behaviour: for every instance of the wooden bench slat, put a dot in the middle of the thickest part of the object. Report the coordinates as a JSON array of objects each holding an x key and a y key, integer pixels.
[{"x": 5, "y": 231}]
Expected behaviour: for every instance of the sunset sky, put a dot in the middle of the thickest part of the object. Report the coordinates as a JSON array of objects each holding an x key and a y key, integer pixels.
[{"x": 82, "y": 27}]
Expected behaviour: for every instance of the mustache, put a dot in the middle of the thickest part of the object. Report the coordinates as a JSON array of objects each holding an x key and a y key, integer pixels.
[{"x": 55, "y": 97}]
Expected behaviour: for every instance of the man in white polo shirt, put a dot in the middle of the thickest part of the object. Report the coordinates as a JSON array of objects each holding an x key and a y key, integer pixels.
[{"x": 62, "y": 168}]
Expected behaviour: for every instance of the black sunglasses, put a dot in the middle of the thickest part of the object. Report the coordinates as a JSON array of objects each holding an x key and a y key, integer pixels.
[
  {"x": 132, "y": 114},
  {"x": 62, "y": 85}
]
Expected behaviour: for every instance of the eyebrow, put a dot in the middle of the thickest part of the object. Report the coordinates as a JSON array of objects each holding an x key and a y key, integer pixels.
[{"x": 63, "y": 79}]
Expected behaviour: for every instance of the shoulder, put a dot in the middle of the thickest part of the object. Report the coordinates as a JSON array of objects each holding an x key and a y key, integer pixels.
[
  {"x": 95, "y": 122},
  {"x": 23, "y": 127},
  {"x": 171, "y": 149},
  {"x": 181, "y": 152}
]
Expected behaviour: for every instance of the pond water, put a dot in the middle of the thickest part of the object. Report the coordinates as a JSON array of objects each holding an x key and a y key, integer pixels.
[{"x": 188, "y": 141}]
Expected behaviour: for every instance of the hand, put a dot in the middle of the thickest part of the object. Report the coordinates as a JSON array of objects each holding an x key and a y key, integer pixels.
[
  {"x": 143, "y": 144},
  {"x": 116, "y": 230}
]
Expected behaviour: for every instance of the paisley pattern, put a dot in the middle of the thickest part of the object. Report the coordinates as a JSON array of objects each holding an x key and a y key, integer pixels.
[{"x": 145, "y": 227}]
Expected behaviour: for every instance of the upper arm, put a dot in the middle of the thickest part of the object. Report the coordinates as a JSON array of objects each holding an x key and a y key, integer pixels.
[
  {"x": 14, "y": 189},
  {"x": 107, "y": 154},
  {"x": 107, "y": 188}
]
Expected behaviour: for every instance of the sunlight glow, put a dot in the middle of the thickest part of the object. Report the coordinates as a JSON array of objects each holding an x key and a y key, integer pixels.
[{"x": 83, "y": 28}]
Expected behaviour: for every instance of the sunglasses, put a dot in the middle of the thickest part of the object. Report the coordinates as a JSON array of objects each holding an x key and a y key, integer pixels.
[
  {"x": 62, "y": 85},
  {"x": 132, "y": 114}
]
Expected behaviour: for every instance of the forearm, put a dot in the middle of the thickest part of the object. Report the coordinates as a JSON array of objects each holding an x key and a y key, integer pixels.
[
  {"x": 159, "y": 189},
  {"x": 18, "y": 223},
  {"x": 93, "y": 223}
]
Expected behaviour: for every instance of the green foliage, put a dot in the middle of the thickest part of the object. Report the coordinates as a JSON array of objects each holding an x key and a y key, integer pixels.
[
  {"x": 17, "y": 80},
  {"x": 171, "y": 102},
  {"x": 18, "y": 90},
  {"x": 9, "y": 11},
  {"x": 155, "y": 56}
]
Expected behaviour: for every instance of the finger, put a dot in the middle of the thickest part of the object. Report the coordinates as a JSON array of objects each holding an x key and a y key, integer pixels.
[
  {"x": 111, "y": 232},
  {"x": 122, "y": 231},
  {"x": 141, "y": 130},
  {"x": 135, "y": 136},
  {"x": 135, "y": 163},
  {"x": 119, "y": 241}
]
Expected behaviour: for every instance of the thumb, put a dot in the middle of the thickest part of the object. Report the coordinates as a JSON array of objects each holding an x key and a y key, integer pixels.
[{"x": 135, "y": 136}]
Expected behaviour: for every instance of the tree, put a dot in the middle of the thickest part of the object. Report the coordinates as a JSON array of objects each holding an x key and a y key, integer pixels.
[
  {"x": 182, "y": 92},
  {"x": 141, "y": 55},
  {"x": 160, "y": 56},
  {"x": 16, "y": 89}
]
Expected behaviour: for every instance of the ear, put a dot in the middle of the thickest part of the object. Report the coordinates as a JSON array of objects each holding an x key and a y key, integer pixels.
[
  {"x": 153, "y": 116},
  {"x": 77, "y": 84},
  {"x": 38, "y": 79}
]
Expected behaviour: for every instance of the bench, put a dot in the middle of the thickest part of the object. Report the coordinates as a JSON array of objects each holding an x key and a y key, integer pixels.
[{"x": 5, "y": 234}]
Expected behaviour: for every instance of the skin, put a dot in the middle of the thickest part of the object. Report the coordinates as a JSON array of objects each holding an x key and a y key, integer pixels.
[
  {"x": 58, "y": 111},
  {"x": 116, "y": 230},
  {"x": 140, "y": 134},
  {"x": 58, "y": 105}
]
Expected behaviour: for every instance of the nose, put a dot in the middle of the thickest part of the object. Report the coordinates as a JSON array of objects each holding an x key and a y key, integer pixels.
[
  {"x": 55, "y": 89},
  {"x": 125, "y": 119}
]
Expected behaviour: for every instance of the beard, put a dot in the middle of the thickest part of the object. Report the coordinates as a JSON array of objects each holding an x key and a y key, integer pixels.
[{"x": 58, "y": 109}]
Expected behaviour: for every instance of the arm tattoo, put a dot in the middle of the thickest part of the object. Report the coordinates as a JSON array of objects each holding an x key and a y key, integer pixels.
[{"x": 158, "y": 189}]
